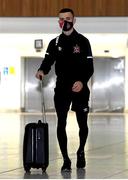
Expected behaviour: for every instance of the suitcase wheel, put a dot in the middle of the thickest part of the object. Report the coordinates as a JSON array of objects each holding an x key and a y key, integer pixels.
[
  {"x": 27, "y": 169},
  {"x": 43, "y": 169}
]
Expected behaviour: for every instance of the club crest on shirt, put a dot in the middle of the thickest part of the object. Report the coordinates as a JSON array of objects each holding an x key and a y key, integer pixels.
[{"x": 76, "y": 49}]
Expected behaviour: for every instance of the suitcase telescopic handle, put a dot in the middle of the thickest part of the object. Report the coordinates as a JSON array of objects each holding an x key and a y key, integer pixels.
[{"x": 42, "y": 101}]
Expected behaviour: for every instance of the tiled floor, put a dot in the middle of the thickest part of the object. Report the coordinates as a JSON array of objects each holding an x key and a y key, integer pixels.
[{"x": 106, "y": 149}]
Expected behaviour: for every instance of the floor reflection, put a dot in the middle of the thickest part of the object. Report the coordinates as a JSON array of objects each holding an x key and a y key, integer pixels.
[
  {"x": 81, "y": 174},
  {"x": 106, "y": 147},
  {"x": 66, "y": 175},
  {"x": 40, "y": 175}
]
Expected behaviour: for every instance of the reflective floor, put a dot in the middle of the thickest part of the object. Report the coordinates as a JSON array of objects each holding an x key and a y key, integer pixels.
[{"x": 106, "y": 149}]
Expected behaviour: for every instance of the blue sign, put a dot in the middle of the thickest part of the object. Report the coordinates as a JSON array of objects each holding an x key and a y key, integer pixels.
[{"x": 5, "y": 71}]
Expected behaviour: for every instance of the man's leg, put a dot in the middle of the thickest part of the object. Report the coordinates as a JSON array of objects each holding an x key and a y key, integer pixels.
[
  {"x": 61, "y": 132},
  {"x": 83, "y": 128},
  {"x": 62, "y": 104},
  {"x": 80, "y": 106},
  {"x": 83, "y": 134}
]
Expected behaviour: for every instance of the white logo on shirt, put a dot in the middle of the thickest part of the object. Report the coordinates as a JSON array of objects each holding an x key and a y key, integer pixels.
[{"x": 59, "y": 48}]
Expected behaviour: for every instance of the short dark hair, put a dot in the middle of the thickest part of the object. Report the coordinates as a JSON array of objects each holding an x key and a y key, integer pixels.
[{"x": 67, "y": 10}]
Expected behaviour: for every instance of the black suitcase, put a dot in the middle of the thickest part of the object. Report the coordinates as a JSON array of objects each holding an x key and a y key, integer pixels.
[{"x": 36, "y": 143}]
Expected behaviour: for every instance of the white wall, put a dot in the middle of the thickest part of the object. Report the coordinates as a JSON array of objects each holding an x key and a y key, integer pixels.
[
  {"x": 50, "y": 25},
  {"x": 17, "y": 37},
  {"x": 12, "y": 48}
]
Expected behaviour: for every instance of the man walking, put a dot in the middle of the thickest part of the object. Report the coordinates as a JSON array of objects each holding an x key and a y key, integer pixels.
[{"x": 72, "y": 55}]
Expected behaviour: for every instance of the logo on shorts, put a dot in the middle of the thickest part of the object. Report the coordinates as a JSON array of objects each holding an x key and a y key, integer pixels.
[{"x": 85, "y": 109}]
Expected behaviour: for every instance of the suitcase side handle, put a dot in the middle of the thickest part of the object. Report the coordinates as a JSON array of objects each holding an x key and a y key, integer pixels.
[
  {"x": 42, "y": 102},
  {"x": 39, "y": 121}
]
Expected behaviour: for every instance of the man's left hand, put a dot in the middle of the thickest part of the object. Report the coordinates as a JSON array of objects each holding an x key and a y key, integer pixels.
[{"x": 77, "y": 86}]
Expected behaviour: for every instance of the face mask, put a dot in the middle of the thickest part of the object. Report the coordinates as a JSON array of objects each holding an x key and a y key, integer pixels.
[{"x": 66, "y": 25}]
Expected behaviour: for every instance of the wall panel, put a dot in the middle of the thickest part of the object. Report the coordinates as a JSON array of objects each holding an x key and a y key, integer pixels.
[
  {"x": 45, "y": 8},
  {"x": 27, "y": 8},
  {"x": 11, "y": 8},
  {"x": 1, "y": 7},
  {"x": 115, "y": 7}
]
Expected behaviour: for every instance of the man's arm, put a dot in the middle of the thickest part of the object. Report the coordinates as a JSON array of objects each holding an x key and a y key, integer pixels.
[
  {"x": 48, "y": 61},
  {"x": 88, "y": 67},
  {"x": 89, "y": 62},
  {"x": 86, "y": 70}
]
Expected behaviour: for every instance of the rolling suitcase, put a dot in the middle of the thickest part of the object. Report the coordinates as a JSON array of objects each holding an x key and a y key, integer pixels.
[{"x": 36, "y": 143}]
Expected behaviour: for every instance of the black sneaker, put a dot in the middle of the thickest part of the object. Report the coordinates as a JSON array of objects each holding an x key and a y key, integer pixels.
[
  {"x": 80, "y": 160},
  {"x": 66, "y": 165}
]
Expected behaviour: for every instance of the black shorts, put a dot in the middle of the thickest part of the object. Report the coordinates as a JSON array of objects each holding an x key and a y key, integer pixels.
[{"x": 78, "y": 100}]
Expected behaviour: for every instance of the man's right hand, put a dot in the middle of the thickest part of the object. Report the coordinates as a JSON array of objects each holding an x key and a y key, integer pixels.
[{"x": 39, "y": 75}]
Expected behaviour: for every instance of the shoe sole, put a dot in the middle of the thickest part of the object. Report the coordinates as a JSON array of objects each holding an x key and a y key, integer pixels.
[{"x": 81, "y": 167}]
